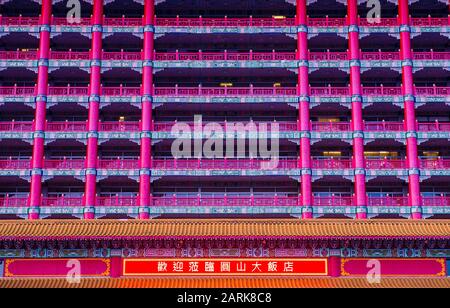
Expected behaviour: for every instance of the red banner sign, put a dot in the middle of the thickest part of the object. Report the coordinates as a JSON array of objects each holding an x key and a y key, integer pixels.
[
  {"x": 57, "y": 267},
  {"x": 225, "y": 267},
  {"x": 394, "y": 267}
]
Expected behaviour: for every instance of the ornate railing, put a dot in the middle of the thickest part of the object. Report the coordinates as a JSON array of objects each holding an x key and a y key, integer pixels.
[
  {"x": 16, "y": 126},
  {"x": 221, "y": 164},
  {"x": 274, "y": 56},
  {"x": 64, "y": 164},
  {"x": 119, "y": 164},
  {"x": 222, "y": 56},
  {"x": 319, "y": 163},
  {"x": 69, "y": 126},
  {"x": 13, "y": 163},
  {"x": 13, "y": 201},
  {"x": 117, "y": 201},
  {"x": 223, "y": 91},
  {"x": 332, "y": 163},
  {"x": 135, "y": 126},
  {"x": 436, "y": 201},
  {"x": 225, "y": 201},
  {"x": 388, "y": 201},
  {"x": 62, "y": 201},
  {"x": 437, "y": 163},
  {"x": 282, "y": 125},
  {"x": 386, "y": 163},
  {"x": 223, "y": 22}
]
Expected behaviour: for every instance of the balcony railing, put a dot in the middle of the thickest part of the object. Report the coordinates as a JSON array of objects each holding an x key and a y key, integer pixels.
[
  {"x": 222, "y": 22},
  {"x": 277, "y": 56},
  {"x": 222, "y": 164},
  {"x": 13, "y": 201},
  {"x": 223, "y": 91},
  {"x": 62, "y": 201},
  {"x": 436, "y": 163},
  {"x": 331, "y": 163},
  {"x": 289, "y": 22},
  {"x": 222, "y": 56},
  {"x": 117, "y": 201},
  {"x": 282, "y": 126},
  {"x": 225, "y": 22},
  {"x": 319, "y": 163},
  {"x": 275, "y": 91},
  {"x": 135, "y": 126},
  {"x": 388, "y": 201},
  {"x": 386, "y": 163},
  {"x": 64, "y": 164},
  {"x": 226, "y": 201},
  {"x": 13, "y": 163},
  {"x": 69, "y": 126}
]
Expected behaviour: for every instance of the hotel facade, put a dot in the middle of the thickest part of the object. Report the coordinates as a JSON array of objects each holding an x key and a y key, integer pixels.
[{"x": 355, "y": 95}]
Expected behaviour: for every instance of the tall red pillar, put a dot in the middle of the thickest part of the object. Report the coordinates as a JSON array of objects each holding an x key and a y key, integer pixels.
[
  {"x": 41, "y": 107},
  {"x": 304, "y": 114},
  {"x": 94, "y": 111},
  {"x": 357, "y": 110},
  {"x": 147, "y": 106},
  {"x": 415, "y": 199}
]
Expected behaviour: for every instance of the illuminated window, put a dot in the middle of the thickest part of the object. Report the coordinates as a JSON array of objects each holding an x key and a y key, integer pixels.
[
  {"x": 328, "y": 120},
  {"x": 431, "y": 154},
  {"x": 381, "y": 154},
  {"x": 332, "y": 154}
]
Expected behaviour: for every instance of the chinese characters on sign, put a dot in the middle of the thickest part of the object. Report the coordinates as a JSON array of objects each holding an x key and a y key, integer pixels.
[{"x": 221, "y": 267}]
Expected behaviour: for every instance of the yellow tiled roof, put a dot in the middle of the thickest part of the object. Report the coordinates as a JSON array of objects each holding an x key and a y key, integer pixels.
[{"x": 180, "y": 228}]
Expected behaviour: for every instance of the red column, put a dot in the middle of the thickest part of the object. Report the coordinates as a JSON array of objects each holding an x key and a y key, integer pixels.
[
  {"x": 415, "y": 199},
  {"x": 94, "y": 110},
  {"x": 357, "y": 110},
  {"x": 116, "y": 267},
  {"x": 334, "y": 266},
  {"x": 41, "y": 107},
  {"x": 304, "y": 120},
  {"x": 147, "y": 100}
]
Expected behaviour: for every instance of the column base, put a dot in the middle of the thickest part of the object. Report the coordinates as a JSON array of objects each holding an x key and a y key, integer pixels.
[
  {"x": 116, "y": 267},
  {"x": 307, "y": 212},
  {"x": 361, "y": 212},
  {"x": 144, "y": 213},
  {"x": 416, "y": 213},
  {"x": 89, "y": 213},
  {"x": 334, "y": 266},
  {"x": 33, "y": 213}
]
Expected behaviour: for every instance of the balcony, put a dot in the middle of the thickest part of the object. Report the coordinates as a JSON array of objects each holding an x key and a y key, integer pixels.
[
  {"x": 180, "y": 22},
  {"x": 277, "y": 91},
  {"x": 318, "y": 163},
  {"x": 226, "y": 201},
  {"x": 290, "y": 22},
  {"x": 222, "y": 56},
  {"x": 379, "y": 127},
  {"x": 18, "y": 126},
  {"x": 222, "y": 91}
]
